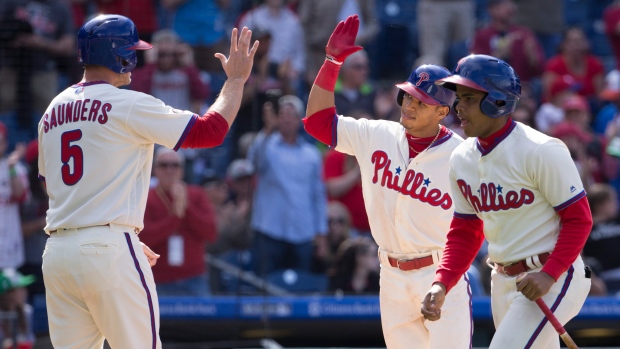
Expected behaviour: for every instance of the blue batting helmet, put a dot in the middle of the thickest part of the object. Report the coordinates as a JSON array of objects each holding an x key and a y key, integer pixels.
[
  {"x": 421, "y": 85},
  {"x": 110, "y": 41},
  {"x": 491, "y": 75}
]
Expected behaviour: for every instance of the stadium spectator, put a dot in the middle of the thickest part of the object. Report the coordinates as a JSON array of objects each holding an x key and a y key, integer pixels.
[
  {"x": 550, "y": 113},
  {"x": 289, "y": 208},
  {"x": 339, "y": 230},
  {"x": 13, "y": 295},
  {"x": 441, "y": 24},
  {"x": 170, "y": 73},
  {"x": 142, "y": 11},
  {"x": 356, "y": 267},
  {"x": 32, "y": 213},
  {"x": 178, "y": 222},
  {"x": 575, "y": 60},
  {"x": 354, "y": 90},
  {"x": 611, "y": 18},
  {"x": 319, "y": 17},
  {"x": 13, "y": 191},
  {"x": 37, "y": 32},
  {"x": 515, "y": 44},
  {"x": 611, "y": 95},
  {"x": 601, "y": 249},
  {"x": 232, "y": 202},
  {"x": 200, "y": 23},
  {"x": 286, "y": 55},
  {"x": 545, "y": 19}
]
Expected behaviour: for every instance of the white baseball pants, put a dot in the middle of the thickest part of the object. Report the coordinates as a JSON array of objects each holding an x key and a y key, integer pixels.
[{"x": 99, "y": 285}]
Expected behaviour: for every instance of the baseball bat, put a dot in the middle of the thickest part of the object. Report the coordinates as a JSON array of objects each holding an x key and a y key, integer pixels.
[
  {"x": 553, "y": 320},
  {"x": 556, "y": 324}
]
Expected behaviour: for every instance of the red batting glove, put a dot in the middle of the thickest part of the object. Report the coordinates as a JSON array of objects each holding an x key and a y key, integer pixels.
[{"x": 341, "y": 44}]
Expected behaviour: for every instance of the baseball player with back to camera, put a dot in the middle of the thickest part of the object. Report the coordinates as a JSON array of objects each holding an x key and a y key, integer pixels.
[
  {"x": 406, "y": 191},
  {"x": 520, "y": 189},
  {"x": 96, "y": 146}
]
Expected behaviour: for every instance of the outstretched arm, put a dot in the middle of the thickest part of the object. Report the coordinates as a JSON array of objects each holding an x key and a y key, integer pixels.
[
  {"x": 321, "y": 104},
  {"x": 237, "y": 66},
  {"x": 341, "y": 44},
  {"x": 210, "y": 129}
]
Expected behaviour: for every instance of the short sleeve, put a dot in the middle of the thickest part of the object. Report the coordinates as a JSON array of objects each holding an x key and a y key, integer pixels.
[
  {"x": 353, "y": 135},
  {"x": 554, "y": 173},
  {"x": 151, "y": 121}
]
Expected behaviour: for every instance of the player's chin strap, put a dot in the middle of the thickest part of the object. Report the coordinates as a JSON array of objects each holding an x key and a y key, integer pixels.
[{"x": 328, "y": 74}]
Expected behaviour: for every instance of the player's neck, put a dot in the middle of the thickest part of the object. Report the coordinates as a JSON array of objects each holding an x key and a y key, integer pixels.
[
  {"x": 428, "y": 132},
  {"x": 96, "y": 73}
]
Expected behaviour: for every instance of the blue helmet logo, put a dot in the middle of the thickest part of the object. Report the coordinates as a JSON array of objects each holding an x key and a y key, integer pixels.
[{"x": 421, "y": 85}]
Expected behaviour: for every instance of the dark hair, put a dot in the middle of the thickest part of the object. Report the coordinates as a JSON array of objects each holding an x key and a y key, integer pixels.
[{"x": 598, "y": 195}]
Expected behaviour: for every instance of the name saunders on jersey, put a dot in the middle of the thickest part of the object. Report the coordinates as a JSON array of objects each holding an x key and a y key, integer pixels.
[
  {"x": 75, "y": 111},
  {"x": 433, "y": 197}
]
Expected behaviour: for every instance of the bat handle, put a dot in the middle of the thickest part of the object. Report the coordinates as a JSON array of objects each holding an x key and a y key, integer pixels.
[
  {"x": 570, "y": 344},
  {"x": 552, "y": 319}
]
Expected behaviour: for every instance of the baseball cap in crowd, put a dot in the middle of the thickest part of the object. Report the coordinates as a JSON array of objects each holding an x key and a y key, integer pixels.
[
  {"x": 611, "y": 92},
  {"x": 240, "y": 168},
  {"x": 32, "y": 151},
  {"x": 11, "y": 278},
  {"x": 563, "y": 83},
  {"x": 575, "y": 102},
  {"x": 569, "y": 129}
]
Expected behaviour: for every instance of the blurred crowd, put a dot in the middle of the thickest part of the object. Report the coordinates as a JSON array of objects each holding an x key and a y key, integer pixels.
[{"x": 282, "y": 206}]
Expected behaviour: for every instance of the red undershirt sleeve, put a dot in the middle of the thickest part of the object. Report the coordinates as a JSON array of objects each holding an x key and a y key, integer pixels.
[
  {"x": 207, "y": 131},
  {"x": 464, "y": 241},
  {"x": 575, "y": 227},
  {"x": 322, "y": 125}
]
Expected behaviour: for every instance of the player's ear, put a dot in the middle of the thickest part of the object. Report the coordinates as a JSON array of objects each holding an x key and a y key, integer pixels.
[{"x": 443, "y": 111}]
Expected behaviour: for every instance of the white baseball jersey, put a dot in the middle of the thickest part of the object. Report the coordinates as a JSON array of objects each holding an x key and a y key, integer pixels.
[
  {"x": 515, "y": 187},
  {"x": 96, "y": 151},
  {"x": 398, "y": 192},
  {"x": 410, "y": 208}
]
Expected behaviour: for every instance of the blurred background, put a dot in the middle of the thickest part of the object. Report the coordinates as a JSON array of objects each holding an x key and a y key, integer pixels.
[{"x": 257, "y": 271}]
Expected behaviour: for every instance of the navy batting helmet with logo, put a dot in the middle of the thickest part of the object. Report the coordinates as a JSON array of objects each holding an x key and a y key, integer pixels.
[
  {"x": 421, "y": 85},
  {"x": 110, "y": 41},
  {"x": 491, "y": 75}
]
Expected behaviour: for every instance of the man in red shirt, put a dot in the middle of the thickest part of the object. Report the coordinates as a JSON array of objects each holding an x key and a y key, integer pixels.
[
  {"x": 178, "y": 222},
  {"x": 512, "y": 43}
]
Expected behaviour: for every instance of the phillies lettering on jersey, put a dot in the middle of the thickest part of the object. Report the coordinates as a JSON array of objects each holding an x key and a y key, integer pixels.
[
  {"x": 492, "y": 199},
  {"x": 419, "y": 184}
]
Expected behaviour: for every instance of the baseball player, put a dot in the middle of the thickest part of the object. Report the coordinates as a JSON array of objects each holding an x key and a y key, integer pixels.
[
  {"x": 404, "y": 170},
  {"x": 96, "y": 146},
  {"x": 520, "y": 189}
]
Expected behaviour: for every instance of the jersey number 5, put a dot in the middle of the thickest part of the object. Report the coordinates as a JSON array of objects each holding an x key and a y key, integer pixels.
[{"x": 69, "y": 151}]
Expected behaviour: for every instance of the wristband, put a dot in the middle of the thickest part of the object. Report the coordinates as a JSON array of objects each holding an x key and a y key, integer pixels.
[
  {"x": 328, "y": 74},
  {"x": 12, "y": 172}
]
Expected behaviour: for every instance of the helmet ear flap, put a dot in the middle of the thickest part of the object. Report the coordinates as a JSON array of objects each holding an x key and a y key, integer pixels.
[{"x": 399, "y": 97}]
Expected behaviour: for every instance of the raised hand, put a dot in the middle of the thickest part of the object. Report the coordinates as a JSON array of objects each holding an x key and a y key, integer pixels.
[
  {"x": 238, "y": 65},
  {"x": 341, "y": 43}
]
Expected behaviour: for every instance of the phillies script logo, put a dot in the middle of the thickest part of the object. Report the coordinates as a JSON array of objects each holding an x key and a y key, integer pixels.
[
  {"x": 492, "y": 198},
  {"x": 414, "y": 185},
  {"x": 423, "y": 77}
]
